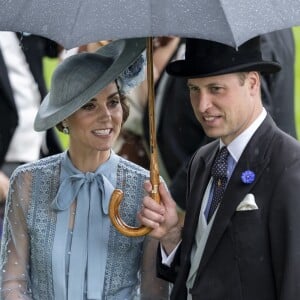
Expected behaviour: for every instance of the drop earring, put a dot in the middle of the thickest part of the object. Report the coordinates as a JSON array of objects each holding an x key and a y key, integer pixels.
[{"x": 65, "y": 128}]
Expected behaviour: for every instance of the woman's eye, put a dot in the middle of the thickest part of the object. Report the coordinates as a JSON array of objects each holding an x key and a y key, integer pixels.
[
  {"x": 88, "y": 106},
  {"x": 113, "y": 102}
]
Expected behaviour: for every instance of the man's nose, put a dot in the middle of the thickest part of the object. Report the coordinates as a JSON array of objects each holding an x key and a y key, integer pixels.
[{"x": 204, "y": 102}]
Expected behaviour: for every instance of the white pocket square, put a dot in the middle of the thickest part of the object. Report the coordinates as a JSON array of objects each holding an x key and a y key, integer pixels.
[{"x": 248, "y": 203}]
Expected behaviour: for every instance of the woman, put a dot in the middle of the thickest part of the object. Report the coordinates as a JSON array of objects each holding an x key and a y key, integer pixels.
[{"x": 58, "y": 241}]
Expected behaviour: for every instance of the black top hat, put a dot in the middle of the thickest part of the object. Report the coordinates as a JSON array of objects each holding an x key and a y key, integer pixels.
[{"x": 204, "y": 58}]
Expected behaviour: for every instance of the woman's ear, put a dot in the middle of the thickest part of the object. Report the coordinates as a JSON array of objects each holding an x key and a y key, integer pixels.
[{"x": 64, "y": 123}]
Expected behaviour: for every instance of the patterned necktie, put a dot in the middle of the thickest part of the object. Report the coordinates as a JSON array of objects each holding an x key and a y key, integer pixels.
[{"x": 219, "y": 174}]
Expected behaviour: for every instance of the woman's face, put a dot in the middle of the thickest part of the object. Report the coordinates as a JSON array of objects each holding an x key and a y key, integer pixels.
[{"x": 97, "y": 124}]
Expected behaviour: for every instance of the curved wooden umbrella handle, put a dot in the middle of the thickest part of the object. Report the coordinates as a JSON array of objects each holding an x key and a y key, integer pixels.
[
  {"x": 117, "y": 195},
  {"x": 117, "y": 221}
]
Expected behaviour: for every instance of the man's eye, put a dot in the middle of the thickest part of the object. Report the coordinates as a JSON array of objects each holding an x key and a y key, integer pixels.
[
  {"x": 215, "y": 89},
  {"x": 193, "y": 88}
]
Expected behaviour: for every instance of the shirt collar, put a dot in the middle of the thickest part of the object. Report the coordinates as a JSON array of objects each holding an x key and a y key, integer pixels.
[{"x": 237, "y": 146}]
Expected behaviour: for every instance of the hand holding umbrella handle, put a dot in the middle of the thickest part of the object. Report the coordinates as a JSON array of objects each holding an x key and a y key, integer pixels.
[{"x": 117, "y": 195}]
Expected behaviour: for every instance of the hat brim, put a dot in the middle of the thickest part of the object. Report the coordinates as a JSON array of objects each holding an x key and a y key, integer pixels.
[
  {"x": 49, "y": 116},
  {"x": 181, "y": 68}
]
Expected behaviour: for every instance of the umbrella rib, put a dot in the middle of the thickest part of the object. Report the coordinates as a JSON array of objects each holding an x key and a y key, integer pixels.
[
  {"x": 223, "y": 9},
  {"x": 73, "y": 27}
]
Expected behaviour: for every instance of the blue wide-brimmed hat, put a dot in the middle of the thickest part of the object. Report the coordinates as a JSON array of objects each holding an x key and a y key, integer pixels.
[
  {"x": 82, "y": 76},
  {"x": 204, "y": 58}
]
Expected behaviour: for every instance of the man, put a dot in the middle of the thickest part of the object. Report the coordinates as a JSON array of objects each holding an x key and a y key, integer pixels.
[
  {"x": 9, "y": 121},
  {"x": 22, "y": 86},
  {"x": 8, "y": 111},
  {"x": 179, "y": 134},
  {"x": 249, "y": 246}
]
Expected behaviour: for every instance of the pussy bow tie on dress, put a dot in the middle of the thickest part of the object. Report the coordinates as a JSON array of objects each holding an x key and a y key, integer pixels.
[
  {"x": 69, "y": 189},
  {"x": 90, "y": 233}
]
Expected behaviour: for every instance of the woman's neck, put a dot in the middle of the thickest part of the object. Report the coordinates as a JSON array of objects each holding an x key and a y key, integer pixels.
[{"x": 88, "y": 162}]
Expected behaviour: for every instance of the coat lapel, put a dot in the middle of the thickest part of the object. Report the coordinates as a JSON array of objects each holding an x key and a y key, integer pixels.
[
  {"x": 198, "y": 182},
  {"x": 198, "y": 178},
  {"x": 5, "y": 84},
  {"x": 255, "y": 158}
]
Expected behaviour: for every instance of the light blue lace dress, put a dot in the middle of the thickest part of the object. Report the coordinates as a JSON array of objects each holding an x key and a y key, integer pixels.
[{"x": 58, "y": 242}]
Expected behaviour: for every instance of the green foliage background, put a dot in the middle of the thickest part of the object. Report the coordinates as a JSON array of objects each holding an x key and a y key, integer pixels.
[
  {"x": 49, "y": 66},
  {"x": 296, "y": 31}
]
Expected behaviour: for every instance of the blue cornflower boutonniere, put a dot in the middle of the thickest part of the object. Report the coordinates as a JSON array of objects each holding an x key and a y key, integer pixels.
[{"x": 248, "y": 177}]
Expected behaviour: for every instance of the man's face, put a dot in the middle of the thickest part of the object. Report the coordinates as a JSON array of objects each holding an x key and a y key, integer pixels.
[{"x": 226, "y": 105}]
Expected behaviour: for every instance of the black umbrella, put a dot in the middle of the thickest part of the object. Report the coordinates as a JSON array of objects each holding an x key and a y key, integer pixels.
[{"x": 78, "y": 22}]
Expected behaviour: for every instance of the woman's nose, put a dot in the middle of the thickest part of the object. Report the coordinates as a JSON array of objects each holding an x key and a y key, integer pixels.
[{"x": 104, "y": 112}]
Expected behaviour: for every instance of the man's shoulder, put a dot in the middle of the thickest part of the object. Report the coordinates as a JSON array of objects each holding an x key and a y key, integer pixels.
[{"x": 206, "y": 150}]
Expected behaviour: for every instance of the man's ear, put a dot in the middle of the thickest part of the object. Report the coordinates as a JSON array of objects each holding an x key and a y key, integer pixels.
[{"x": 254, "y": 82}]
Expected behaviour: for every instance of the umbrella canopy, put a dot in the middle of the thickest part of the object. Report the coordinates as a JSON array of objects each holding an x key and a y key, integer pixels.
[{"x": 78, "y": 22}]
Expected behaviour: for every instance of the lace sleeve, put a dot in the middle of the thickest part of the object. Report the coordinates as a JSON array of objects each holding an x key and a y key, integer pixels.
[{"x": 15, "y": 240}]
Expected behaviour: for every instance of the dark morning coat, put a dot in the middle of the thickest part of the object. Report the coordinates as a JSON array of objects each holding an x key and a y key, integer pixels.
[
  {"x": 8, "y": 111},
  {"x": 249, "y": 255},
  {"x": 35, "y": 49}
]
